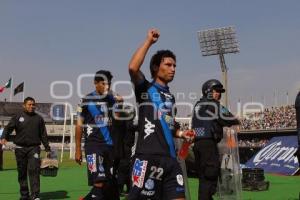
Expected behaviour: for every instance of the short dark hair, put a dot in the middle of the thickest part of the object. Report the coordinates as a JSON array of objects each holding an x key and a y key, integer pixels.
[
  {"x": 157, "y": 58},
  {"x": 28, "y": 99},
  {"x": 103, "y": 75}
]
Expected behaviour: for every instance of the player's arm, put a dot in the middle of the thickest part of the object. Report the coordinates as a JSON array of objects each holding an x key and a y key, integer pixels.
[
  {"x": 139, "y": 55},
  {"x": 78, "y": 135},
  {"x": 226, "y": 118},
  {"x": 188, "y": 135},
  {"x": 8, "y": 130}
]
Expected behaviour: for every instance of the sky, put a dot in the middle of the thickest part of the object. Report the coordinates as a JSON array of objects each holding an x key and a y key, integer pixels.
[{"x": 60, "y": 44}]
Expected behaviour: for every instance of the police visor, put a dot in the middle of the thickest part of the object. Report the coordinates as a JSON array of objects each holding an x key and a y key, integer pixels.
[{"x": 219, "y": 89}]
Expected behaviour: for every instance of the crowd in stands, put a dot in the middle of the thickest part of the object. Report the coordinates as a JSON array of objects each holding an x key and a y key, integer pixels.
[
  {"x": 253, "y": 143},
  {"x": 271, "y": 118}
]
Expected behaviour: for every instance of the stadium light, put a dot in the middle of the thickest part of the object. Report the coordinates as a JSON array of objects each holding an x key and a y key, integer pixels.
[{"x": 219, "y": 41}]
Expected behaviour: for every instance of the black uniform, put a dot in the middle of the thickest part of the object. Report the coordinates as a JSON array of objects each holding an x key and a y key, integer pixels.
[
  {"x": 96, "y": 112},
  {"x": 209, "y": 118},
  {"x": 156, "y": 174},
  {"x": 125, "y": 155},
  {"x": 297, "y": 106},
  {"x": 30, "y": 132}
]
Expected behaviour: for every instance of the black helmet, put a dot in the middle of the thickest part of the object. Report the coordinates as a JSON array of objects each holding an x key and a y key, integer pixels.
[{"x": 211, "y": 84}]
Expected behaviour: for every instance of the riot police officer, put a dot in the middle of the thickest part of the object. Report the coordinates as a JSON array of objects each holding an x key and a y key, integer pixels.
[
  {"x": 209, "y": 118},
  {"x": 297, "y": 106}
]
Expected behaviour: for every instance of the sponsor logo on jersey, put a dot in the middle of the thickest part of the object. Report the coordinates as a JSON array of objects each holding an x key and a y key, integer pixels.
[
  {"x": 167, "y": 96},
  {"x": 100, "y": 175},
  {"x": 89, "y": 130},
  {"x": 101, "y": 168},
  {"x": 149, "y": 128},
  {"x": 91, "y": 161},
  {"x": 101, "y": 120},
  {"x": 138, "y": 172},
  {"x": 147, "y": 193}
]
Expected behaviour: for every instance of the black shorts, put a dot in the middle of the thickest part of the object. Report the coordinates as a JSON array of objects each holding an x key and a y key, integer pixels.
[
  {"x": 156, "y": 177},
  {"x": 99, "y": 160}
]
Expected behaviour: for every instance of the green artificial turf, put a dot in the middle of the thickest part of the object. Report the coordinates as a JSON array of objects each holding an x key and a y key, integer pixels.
[{"x": 71, "y": 183}]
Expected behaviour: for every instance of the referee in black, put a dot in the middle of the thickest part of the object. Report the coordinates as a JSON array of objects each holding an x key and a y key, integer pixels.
[{"x": 30, "y": 132}]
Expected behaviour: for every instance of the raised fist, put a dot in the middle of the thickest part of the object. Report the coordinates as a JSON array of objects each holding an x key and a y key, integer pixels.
[{"x": 153, "y": 35}]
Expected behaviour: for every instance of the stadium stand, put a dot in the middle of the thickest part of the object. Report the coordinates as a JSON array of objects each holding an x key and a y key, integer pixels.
[
  {"x": 271, "y": 118},
  {"x": 8, "y": 109}
]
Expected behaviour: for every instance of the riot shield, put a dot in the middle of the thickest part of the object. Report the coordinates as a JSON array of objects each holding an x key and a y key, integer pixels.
[{"x": 229, "y": 184}]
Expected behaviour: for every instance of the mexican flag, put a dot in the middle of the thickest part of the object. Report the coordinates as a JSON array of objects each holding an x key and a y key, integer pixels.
[{"x": 7, "y": 85}]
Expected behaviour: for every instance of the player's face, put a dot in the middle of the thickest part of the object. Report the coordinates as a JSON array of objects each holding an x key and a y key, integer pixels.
[
  {"x": 29, "y": 106},
  {"x": 102, "y": 87},
  {"x": 166, "y": 70}
]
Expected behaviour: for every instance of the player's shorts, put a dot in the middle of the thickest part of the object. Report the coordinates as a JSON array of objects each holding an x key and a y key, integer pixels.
[
  {"x": 156, "y": 177},
  {"x": 99, "y": 160}
]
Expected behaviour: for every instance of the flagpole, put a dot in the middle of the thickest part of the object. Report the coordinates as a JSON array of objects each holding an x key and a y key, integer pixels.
[
  {"x": 11, "y": 88},
  {"x": 23, "y": 91}
]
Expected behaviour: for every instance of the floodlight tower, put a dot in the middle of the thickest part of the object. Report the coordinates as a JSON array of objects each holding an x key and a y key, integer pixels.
[{"x": 219, "y": 41}]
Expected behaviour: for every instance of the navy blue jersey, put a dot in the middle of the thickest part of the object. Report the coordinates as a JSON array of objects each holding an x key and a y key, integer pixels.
[
  {"x": 156, "y": 124},
  {"x": 96, "y": 114}
]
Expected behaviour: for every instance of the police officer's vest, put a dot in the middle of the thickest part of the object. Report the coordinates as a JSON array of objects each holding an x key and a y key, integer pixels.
[{"x": 204, "y": 120}]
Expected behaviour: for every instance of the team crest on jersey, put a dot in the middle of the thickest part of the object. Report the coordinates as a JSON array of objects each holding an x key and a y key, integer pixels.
[
  {"x": 224, "y": 111},
  {"x": 149, "y": 185},
  {"x": 170, "y": 121},
  {"x": 102, "y": 106},
  {"x": 138, "y": 172},
  {"x": 168, "y": 104},
  {"x": 21, "y": 119},
  {"x": 91, "y": 161}
]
